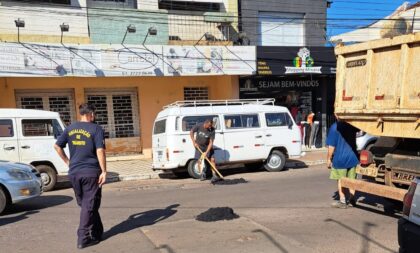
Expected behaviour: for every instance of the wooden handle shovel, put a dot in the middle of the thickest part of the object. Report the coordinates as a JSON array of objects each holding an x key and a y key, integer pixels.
[{"x": 211, "y": 164}]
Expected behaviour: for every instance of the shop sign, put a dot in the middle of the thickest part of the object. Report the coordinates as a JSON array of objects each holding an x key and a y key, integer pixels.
[
  {"x": 255, "y": 85},
  {"x": 303, "y": 63},
  {"x": 27, "y": 59},
  {"x": 278, "y": 60}
]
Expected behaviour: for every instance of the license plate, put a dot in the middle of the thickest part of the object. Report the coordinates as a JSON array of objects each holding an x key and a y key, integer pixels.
[{"x": 370, "y": 171}]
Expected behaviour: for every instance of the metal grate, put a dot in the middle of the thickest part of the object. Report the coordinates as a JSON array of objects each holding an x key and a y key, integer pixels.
[
  {"x": 60, "y": 101},
  {"x": 196, "y": 93},
  {"x": 101, "y": 118},
  {"x": 116, "y": 111}
]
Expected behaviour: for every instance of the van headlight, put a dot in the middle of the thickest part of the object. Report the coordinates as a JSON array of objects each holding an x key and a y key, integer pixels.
[{"x": 19, "y": 174}]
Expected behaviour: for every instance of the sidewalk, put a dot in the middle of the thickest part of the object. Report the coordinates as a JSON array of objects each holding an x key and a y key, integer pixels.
[{"x": 126, "y": 168}]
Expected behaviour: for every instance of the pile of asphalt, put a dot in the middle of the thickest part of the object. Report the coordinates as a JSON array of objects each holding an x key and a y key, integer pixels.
[
  {"x": 230, "y": 181},
  {"x": 217, "y": 214}
]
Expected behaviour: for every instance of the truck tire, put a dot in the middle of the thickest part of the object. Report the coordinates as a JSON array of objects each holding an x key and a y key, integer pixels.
[
  {"x": 193, "y": 169},
  {"x": 48, "y": 176},
  {"x": 275, "y": 161},
  {"x": 3, "y": 200}
]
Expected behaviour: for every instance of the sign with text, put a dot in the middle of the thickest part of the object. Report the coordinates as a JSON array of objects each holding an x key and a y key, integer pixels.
[
  {"x": 29, "y": 59},
  {"x": 295, "y": 60}
]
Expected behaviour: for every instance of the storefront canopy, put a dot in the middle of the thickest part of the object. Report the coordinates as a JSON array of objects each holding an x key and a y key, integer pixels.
[{"x": 295, "y": 60}]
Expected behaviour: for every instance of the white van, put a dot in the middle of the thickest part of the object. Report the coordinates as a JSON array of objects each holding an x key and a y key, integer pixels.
[
  {"x": 28, "y": 136},
  {"x": 247, "y": 131}
]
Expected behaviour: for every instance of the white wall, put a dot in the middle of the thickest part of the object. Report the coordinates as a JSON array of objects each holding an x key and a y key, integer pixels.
[{"x": 42, "y": 19}]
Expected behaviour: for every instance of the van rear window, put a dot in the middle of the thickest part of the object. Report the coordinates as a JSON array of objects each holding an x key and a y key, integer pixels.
[
  {"x": 160, "y": 127},
  {"x": 277, "y": 119},
  {"x": 6, "y": 128}
]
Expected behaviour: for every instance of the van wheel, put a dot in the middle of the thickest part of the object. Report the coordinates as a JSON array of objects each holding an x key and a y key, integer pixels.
[
  {"x": 193, "y": 170},
  {"x": 48, "y": 176},
  {"x": 3, "y": 200},
  {"x": 275, "y": 161}
]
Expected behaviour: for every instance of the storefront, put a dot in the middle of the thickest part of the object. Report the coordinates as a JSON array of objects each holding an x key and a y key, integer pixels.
[
  {"x": 301, "y": 79},
  {"x": 128, "y": 84}
]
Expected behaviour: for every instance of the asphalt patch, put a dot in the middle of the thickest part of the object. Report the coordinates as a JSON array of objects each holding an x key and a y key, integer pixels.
[
  {"x": 217, "y": 214},
  {"x": 230, "y": 181}
]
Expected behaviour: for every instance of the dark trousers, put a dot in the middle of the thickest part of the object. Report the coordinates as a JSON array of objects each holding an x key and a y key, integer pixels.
[{"x": 88, "y": 196}]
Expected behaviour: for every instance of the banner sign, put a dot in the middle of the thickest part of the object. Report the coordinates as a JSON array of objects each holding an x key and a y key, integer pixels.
[
  {"x": 295, "y": 60},
  {"x": 24, "y": 59}
]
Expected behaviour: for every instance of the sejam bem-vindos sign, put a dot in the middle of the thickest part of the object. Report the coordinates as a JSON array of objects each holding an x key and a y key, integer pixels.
[{"x": 295, "y": 60}]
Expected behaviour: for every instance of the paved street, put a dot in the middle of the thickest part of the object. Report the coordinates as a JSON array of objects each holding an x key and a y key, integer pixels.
[{"x": 279, "y": 212}]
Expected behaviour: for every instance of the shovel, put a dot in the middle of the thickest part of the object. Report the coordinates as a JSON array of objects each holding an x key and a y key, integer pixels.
[{"x": 211, "y": 164}]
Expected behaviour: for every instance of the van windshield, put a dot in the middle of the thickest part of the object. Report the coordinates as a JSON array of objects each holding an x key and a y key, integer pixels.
[
  {"x": 160, "y": 127},
  {"x": 190, "y": 121}
]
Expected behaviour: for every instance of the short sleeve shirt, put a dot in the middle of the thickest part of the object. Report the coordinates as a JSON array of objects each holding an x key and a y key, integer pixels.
[
  {"x": 342, "y": 136},
  {"x": 204, "y": 135},
  {"x": 83, "y": 138}
]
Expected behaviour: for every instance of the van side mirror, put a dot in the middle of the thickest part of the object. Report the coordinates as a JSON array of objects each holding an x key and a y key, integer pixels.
[{"x": 290, "y": 124}]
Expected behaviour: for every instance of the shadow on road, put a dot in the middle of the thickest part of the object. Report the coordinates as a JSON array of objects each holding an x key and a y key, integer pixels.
[
  {"x": 32, "y": 206},
  {"x": 271, "y": 239},
  {"x": 141, "y": 219},
  {"x": 13, "y": 219},
  {"x": 167, "y": 248},
  {"x": 364, "y": 235},
  {"x": 368, "y": 202}
]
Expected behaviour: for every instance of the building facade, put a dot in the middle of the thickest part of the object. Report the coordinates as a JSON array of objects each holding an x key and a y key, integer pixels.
[
  {"x": 283, "y": 22},
  {"x": 99, "y": 60}
]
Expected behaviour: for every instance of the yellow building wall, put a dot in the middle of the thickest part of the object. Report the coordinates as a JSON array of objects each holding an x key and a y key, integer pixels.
[{"x": 153, "y": 94}]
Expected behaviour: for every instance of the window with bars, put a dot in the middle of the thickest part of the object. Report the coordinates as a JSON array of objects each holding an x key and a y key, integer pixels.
[
  {"x": 116, "y": 112},
  {"x": 196, "y": 93},
  {"x": 56, "y": 101}
]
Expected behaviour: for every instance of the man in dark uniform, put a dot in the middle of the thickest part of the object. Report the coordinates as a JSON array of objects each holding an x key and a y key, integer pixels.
[
  {"x": 87, "y": 172},
  {"x": 205, "y": 134}
]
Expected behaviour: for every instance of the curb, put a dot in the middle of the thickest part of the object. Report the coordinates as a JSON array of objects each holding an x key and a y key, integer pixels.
[
  {"x": 156, "y": 176},
  {"x": 132, "y": 178}
]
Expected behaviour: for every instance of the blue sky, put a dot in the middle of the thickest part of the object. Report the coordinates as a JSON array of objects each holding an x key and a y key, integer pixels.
[{"x": 358, "y": 9}]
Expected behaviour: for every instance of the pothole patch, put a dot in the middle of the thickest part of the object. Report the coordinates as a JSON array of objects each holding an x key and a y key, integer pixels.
[
  {"x": 230, "y": 181},
  {"x": 217, "y": 214}
]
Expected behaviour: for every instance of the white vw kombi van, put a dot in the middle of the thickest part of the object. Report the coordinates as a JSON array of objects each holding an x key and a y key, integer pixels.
[
  {"x": 247, "y": 131},
  {"x": 28, "y": 136}
]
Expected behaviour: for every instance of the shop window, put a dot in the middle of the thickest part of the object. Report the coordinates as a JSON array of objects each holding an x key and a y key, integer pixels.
[
  {"x": 116, "y": 112},
  {"x": 6, "y": 128},
  {"x": 242, "y": 121},
  {"x": 189, "y": 122},
  {"x": 196, "y": 93}
]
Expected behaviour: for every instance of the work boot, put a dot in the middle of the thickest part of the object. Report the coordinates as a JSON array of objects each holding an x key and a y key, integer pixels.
[{"x": 339, "y": 204}]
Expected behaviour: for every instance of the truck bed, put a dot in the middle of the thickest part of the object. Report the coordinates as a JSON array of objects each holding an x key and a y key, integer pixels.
[{"x": 378, "y": 86}]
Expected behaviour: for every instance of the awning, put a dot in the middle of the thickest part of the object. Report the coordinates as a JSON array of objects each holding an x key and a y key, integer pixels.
[{"x": 295, "y": 60}]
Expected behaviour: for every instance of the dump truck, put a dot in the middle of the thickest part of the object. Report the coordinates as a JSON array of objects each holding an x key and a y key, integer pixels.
[{"x": 378, "y": 91}]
